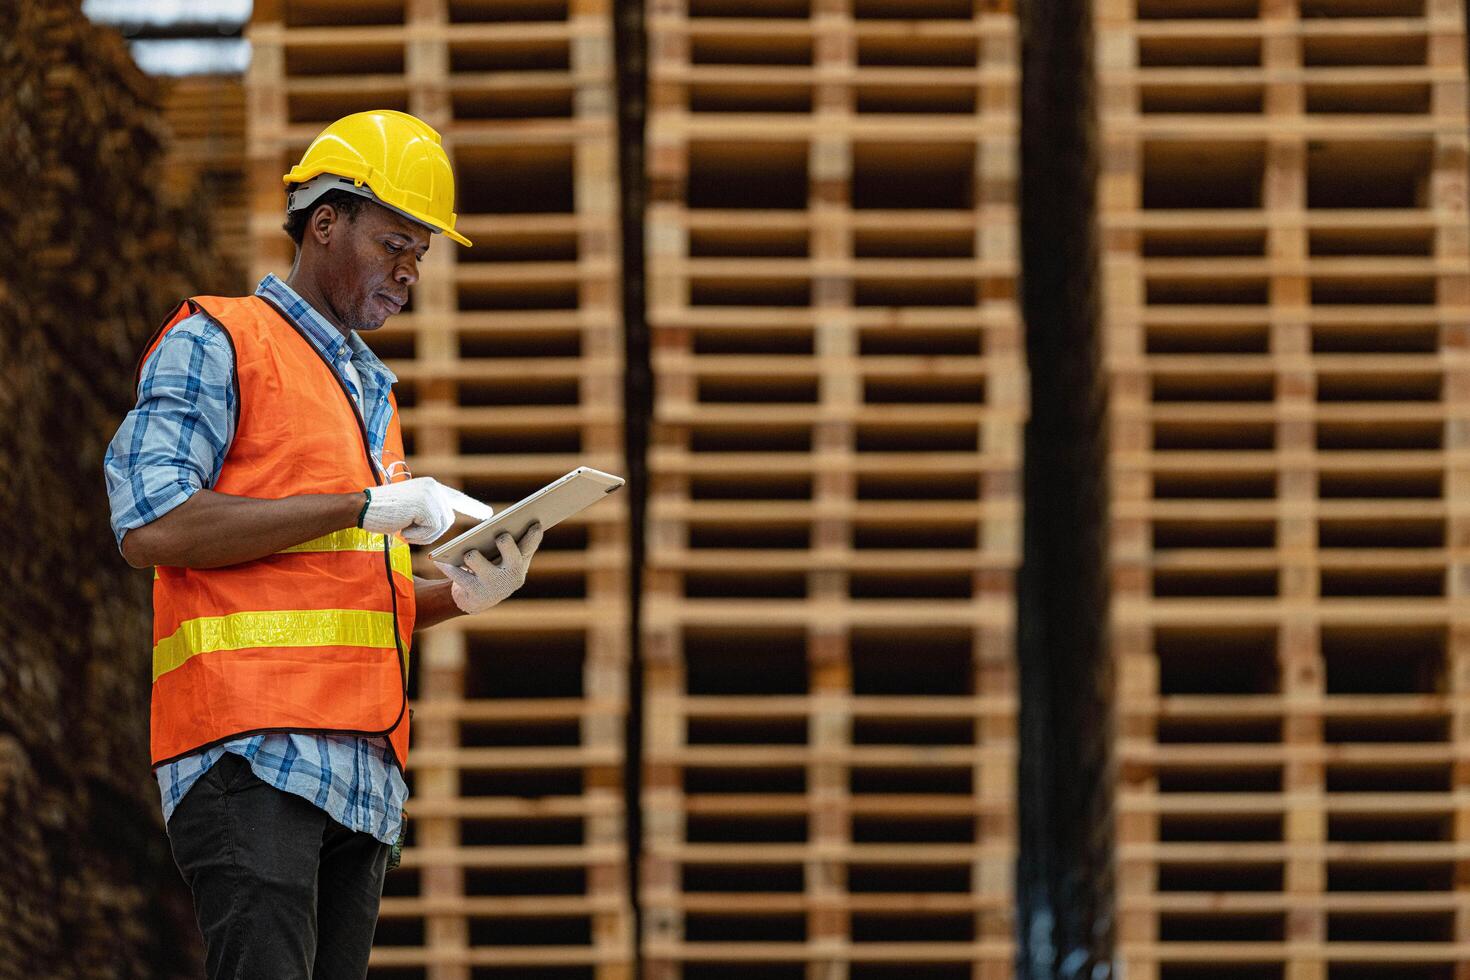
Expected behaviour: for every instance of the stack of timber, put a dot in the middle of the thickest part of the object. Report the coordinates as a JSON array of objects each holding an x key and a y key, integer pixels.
[
  {"x": 88, "y": 889},
  {"x": 509, "y": 362},
  {"x": 205, "y": 164},
  {"x": 1287, "y": 285},
  {"x": 833, "y": 517}
]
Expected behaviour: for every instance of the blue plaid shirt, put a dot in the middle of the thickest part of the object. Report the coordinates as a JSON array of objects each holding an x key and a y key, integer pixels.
[{"x": 172, "y": 444}]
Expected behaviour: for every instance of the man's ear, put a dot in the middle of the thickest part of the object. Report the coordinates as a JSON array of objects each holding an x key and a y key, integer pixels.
[{"x": 323, "y": 219}]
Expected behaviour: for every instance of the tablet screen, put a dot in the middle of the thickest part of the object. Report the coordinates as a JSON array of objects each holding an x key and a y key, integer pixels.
[{"x": 549, "y": 506}]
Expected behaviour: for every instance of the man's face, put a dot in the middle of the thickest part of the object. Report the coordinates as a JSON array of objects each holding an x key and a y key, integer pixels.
[{"x": 371, "y": 263}]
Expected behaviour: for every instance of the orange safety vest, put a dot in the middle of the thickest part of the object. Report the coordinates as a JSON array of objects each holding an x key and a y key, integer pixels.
[{"x": 316, "y": 637}]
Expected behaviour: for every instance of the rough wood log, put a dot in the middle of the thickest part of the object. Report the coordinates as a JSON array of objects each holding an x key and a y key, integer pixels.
[{"x": 94, "y": 259}]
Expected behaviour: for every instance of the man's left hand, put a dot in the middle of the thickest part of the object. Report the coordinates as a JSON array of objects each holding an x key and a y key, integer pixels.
[{"x": 481, "y": 584}]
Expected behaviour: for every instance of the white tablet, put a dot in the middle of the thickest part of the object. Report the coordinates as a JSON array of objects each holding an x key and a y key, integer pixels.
[{"x": 549, "y": 506}]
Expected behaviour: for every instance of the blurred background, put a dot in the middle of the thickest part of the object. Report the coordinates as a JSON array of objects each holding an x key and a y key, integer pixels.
[{"x": 1132, "y": 642}]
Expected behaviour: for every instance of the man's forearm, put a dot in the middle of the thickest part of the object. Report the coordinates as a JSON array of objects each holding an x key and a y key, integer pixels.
[
  {"x": 434, "y": 602},
  {"x": 211, "y": 530}
]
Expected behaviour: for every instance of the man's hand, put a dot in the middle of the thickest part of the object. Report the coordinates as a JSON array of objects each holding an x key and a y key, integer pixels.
[
  {"x": 422, "y": 509},
  {"x": 486, "y": 584}
]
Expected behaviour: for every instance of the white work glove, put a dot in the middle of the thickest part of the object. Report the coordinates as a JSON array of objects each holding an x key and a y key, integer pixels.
[
  {"x": 486, "y": 584},
  {"x": 422, "y": 509}
]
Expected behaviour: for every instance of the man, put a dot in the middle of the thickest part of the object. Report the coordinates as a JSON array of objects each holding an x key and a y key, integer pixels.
[{"x": 262, "y": 472}]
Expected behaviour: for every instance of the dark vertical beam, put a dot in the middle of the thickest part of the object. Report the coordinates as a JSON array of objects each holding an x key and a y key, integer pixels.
[
  {"x": 631, "y": 65},
  {"x": 1064, "y": 871}
]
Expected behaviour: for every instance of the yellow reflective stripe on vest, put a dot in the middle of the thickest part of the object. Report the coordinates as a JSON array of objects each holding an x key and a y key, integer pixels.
[
  {"x": 356, "y": 539},
  {"x": 288, "y": 628},
  {"x": 352, "y": 539}
]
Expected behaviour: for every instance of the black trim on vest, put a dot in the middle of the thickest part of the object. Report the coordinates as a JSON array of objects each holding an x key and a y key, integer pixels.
[{"x": 247, "y": 733}]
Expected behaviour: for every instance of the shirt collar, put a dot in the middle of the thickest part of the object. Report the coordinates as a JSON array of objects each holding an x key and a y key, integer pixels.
[{"x": 322, "y": 335}]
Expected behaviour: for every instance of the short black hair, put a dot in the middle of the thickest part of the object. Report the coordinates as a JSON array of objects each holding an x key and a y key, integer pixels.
[{"x": 346, "y": 204}]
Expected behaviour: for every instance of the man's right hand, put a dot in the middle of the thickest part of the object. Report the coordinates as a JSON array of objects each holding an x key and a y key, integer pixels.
[{"x": 421, "y": 509}]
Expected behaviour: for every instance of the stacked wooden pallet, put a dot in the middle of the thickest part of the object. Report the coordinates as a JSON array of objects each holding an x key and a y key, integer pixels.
[
  {"x": 1288, "y": 308},
  {"x": 509, "y": 364},
  {"x": 205, "y": 165},
  {"x": 833, "y": 515}
]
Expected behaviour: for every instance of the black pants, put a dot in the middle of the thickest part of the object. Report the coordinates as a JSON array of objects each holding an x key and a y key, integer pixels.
[{"x": 281, "y": 890}]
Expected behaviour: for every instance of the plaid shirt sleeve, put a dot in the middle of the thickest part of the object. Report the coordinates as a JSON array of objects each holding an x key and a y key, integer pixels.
[{"x": 174, "y": 440}]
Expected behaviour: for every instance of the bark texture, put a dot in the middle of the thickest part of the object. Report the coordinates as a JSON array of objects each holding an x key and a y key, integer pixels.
[{"x": 95, "y": 259}]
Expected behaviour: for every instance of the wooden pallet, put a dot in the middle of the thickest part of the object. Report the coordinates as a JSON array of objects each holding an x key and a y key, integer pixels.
[
  {"x": 517, "y": 858},
  {"x": 510, "y": 364},
  {"x": 205, "y": 160},
  {"x": 1287, "y": 288},
  {"x": 833, "y": 510},
  {"x": 820, "y": 803}
]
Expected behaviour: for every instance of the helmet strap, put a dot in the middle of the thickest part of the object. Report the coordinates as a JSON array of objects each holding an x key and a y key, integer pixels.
[
  {"x": 312, "y": 190},
  {"x": 309, "y": 192}
]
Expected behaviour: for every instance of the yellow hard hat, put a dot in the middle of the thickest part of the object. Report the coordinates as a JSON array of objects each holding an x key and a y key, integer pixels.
[{"x": 388, "y": 156}]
